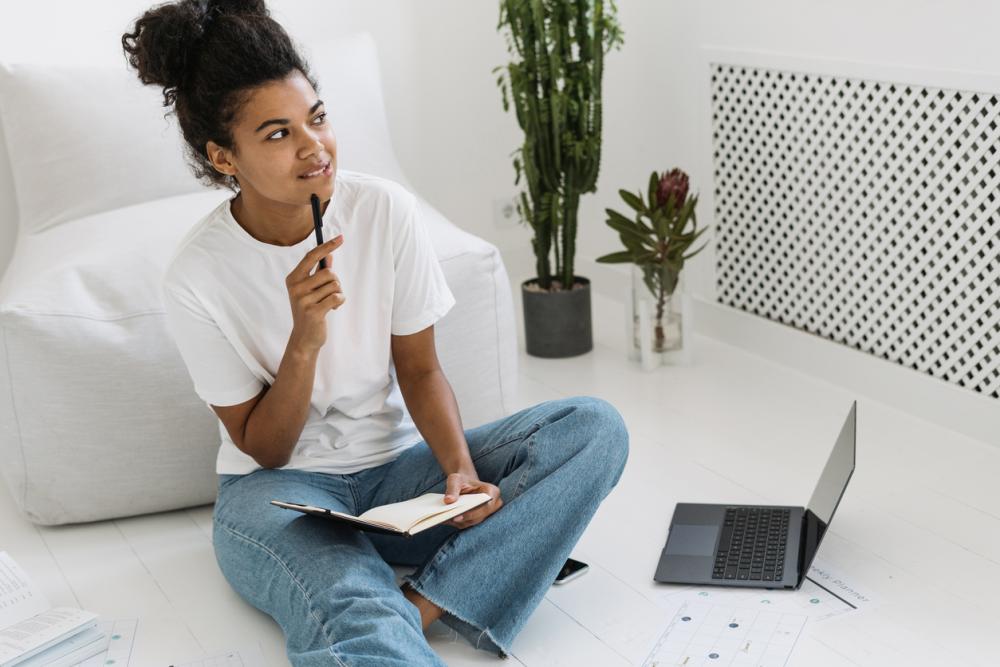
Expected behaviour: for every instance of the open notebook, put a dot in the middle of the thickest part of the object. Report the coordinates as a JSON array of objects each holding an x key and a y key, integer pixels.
[
  {"x": 406, "y": 518},
  {"x": 32, "y": 633}
]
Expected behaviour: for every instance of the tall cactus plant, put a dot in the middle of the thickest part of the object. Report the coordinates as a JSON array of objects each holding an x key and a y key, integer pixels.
[{"x": 557, "y": 52}]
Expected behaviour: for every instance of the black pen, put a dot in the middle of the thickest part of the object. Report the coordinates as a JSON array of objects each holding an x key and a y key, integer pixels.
[{"x": 318, "y": 224}]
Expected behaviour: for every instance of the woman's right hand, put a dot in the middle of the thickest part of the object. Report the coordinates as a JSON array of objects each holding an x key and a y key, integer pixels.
[{"x": 313, "y": 296}]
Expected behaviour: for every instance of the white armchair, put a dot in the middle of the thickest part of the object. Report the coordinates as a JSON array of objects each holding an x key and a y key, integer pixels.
[{"x": 98, "y": 417}]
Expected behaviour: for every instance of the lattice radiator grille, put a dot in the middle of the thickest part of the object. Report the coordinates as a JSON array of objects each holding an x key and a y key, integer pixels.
[{"x": 865, "y": 212}]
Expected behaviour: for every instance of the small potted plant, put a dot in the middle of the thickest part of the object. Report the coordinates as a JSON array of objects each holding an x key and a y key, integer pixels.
[{"x": 658, "y": 240}]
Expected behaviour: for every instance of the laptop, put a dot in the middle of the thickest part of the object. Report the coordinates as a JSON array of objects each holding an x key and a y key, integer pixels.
[{"x": 757, "y": 546}]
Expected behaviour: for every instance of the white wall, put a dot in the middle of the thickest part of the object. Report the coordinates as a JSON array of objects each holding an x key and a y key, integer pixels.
[
  {"x": 928, "y": 37},
  {"x": 466, "y": 138},
  {"x": 654, "y": 94}
]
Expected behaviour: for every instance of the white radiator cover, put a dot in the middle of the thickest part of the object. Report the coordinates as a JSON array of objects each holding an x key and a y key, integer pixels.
[{"x": 862, "y": 211}]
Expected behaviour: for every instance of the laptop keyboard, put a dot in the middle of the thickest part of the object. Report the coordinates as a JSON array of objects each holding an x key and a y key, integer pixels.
[{"x": 753, "y": 542}]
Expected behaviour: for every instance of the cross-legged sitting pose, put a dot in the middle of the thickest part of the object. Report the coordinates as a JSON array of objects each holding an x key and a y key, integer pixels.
[{"x": 325, "y": 377}]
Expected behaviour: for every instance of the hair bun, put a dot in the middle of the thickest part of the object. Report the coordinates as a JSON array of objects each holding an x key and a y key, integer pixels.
[
  {"x": 235, "y": 7},
  {"x": 164, "y": 43}
]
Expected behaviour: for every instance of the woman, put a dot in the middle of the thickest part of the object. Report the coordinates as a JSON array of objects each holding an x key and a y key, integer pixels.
[{"x": 320, "y": 397}]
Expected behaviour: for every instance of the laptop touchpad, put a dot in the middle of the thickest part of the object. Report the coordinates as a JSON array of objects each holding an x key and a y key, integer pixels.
[{"x": 688, "y": 540}]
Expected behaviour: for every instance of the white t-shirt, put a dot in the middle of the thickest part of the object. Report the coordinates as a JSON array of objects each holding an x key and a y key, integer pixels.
[{"x": 228, "y": 310}]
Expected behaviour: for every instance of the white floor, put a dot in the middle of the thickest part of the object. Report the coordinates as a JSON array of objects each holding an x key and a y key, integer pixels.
[{"x": 918, "y": 531}]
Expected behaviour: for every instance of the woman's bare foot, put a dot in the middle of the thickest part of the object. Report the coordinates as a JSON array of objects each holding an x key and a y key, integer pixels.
[{"x": 429, "y": 612}]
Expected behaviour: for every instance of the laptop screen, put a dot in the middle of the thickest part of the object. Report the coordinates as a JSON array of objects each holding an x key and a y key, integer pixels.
[
  {"x": 830, "y": 489},
  {"x": 838, "y": 470}
]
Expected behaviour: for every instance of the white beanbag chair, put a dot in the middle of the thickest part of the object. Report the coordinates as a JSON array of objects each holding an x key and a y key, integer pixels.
[{"x": 98, "y": 416}]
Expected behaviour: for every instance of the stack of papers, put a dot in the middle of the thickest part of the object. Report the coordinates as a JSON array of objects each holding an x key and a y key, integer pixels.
[{"x": 32, "y": 633}]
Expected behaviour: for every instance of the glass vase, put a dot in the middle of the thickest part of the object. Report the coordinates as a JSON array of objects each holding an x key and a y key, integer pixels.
[{"x": 657, "y": 324}]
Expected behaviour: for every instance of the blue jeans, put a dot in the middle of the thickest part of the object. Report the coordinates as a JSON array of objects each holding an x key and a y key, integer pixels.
[{"x": 331, "y": 588}]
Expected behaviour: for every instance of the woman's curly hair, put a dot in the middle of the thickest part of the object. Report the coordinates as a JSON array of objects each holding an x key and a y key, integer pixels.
[{"x": 209, "y": 55}]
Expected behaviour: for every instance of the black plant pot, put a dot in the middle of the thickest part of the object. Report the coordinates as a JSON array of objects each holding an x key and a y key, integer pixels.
[{"x": 557, "y": 324}]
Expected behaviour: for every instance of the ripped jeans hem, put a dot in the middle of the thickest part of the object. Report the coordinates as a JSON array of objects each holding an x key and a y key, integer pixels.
[{"x": 480, "y": 638}]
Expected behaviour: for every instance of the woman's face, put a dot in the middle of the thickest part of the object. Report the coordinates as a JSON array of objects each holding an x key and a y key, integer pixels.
[{"x": 281, "y": 135}]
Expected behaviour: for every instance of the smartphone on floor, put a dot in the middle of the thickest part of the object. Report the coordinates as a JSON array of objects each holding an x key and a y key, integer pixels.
[{"x": 571, "y": 570}]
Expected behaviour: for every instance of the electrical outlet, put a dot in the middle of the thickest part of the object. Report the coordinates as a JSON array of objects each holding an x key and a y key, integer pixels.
[{"x": 505, "y": 212}]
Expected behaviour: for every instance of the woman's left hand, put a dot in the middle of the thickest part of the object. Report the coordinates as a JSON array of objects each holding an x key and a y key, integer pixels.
[{"x": 459, "y": 483}]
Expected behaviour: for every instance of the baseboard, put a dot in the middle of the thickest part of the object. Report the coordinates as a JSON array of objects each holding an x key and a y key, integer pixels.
[
  {"x": 920, "y": 394},
  {"x": 916, "y": 393}
]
